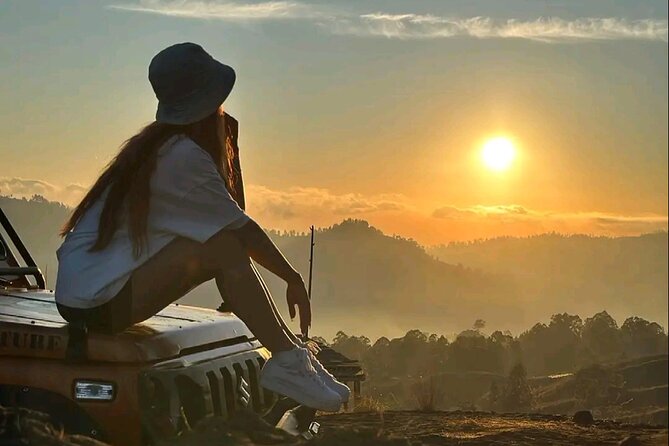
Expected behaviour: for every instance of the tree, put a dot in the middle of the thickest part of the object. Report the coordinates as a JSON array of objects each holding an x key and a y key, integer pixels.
[
  {"x": 412, "y": 354},
  {"x": 568, "y": 322},
  {"x": 377, "y": 361},
  {"x": 353, "y": 347},
  {"x": 471, "y": 351},
  {"x": 554, "y": 347},
  {"x": 438, "y": 347},
  {"x": 642, "y": 338},
  {"x": 516, "y": 395},
  {"x": 601, "y": 338},
  {"x": 506, "y": 347}
]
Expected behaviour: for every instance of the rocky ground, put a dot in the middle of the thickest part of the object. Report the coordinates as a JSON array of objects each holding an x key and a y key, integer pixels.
[{"x": 369, "y": 429}]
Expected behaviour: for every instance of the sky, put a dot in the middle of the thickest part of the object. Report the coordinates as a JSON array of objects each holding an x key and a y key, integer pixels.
[{"x": 370, "y": 109}]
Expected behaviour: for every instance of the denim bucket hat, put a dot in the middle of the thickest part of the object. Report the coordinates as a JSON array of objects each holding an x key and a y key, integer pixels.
[{"x": 189, "y": 83}]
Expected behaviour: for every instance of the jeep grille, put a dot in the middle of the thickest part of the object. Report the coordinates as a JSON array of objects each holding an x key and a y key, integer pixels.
[{"x": 190, "y": 388}]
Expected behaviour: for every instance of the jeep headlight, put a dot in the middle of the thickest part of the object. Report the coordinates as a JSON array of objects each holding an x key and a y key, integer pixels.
[{"x": 85, "y": 390}]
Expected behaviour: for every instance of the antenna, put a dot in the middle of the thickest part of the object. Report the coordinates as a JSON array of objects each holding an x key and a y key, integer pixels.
[
  {"x": 311, "y": 269},
  {"x": 311, "y": 259}
]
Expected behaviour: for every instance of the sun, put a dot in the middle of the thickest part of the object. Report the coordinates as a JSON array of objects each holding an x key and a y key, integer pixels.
[{"x": 498, "y": 154}]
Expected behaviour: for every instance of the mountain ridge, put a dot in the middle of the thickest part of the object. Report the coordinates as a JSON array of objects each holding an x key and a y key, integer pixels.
[{"x": 380, "y": 285}]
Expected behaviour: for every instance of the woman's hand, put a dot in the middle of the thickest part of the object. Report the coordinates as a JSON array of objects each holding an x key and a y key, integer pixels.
[{"x": 296, "y": 294}]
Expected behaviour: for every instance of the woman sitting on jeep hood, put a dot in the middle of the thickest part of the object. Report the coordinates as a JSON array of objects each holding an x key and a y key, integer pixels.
[{"x": 160, "y": 221}]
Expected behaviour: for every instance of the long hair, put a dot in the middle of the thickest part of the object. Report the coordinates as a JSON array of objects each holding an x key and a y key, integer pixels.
[{"x": 128, "y": 177}]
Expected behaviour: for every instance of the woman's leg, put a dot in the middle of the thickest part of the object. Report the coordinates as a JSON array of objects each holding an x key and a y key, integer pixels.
[
  {"x": 185, "y": 264},
  {"x": 277, "y": 314}
]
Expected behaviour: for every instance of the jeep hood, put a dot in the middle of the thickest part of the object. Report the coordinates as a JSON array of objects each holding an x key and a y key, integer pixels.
[{"x": 30, "y": 325}]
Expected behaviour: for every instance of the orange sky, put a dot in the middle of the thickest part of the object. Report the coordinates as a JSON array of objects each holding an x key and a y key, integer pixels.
[{"x": 374, "y": 115}]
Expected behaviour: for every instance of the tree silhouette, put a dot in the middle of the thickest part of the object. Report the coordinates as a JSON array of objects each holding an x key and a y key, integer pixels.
[
  {"x": 642, "y": 338},
  {"x": 352, "y": 346},
  {"x": 554, "y": 347},
  {"x": 601, "y": 338},
  {"x": 516, "y": 395}
]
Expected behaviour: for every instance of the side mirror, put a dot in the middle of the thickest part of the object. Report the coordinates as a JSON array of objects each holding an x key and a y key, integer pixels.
[{"x": 3, "y": 251}]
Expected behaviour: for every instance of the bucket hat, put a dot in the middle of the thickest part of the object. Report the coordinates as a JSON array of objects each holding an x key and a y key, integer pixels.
[{"x": 189, "y": 83}]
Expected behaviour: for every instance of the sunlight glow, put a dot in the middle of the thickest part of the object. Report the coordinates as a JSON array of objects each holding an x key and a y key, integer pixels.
[{"x": 498, "y": 154}]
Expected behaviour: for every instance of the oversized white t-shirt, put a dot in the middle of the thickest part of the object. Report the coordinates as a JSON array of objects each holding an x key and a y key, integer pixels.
[{"x": 188, "y": 199}]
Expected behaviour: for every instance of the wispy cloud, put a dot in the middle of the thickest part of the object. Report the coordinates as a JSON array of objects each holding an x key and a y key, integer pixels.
[
  {"x": 551, "y": 29},
  {"x": 479, "y": 211},
  {"x": 409, "y": 26},
  {"x": 520, "y": 217},
  {"x": 222, "y": 10}
]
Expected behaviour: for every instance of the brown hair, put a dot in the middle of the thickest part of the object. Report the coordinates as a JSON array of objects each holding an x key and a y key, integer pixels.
[{"x": 127, "y": 177}]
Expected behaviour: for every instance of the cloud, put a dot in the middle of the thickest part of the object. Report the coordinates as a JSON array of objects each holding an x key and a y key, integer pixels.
[
  {"x": 300, "y": 207},
  {"x": 515, "y": 219},
  {"x": 222, "y": 10},
  {"x": 285, "y": 204},
  {"x": 410, "y": 26},
  {"x": 479, "y": 210},
  {"x": 311, "y": 202},
  {"x": 550, "y": 29},
  {"x": 26, "y": 188},
  {"x": 297, "y": 208}
]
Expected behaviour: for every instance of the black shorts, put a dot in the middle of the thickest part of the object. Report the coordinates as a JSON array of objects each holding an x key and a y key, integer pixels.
[{"x": 111, "y": 317}]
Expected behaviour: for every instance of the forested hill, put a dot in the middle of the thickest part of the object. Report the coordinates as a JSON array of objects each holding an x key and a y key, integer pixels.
[
  {"x": 368, "y": 282},
  {"x": 623, "y": 274},
  {"x": 371, "y": 281}
]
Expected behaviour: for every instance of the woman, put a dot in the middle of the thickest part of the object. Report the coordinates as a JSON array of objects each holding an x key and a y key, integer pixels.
[{"x": 160, "y": 220}]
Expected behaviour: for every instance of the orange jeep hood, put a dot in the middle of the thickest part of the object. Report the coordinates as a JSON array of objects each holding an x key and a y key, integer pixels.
[{"x": 31, "y": 326}]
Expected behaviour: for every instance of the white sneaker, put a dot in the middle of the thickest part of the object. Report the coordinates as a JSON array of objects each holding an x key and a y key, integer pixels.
[
  {"x": 340, "y": 388},
  {"x": 292, "y": 374}
]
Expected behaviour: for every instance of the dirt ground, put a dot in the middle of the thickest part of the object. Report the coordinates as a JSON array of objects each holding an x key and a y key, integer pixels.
[
  {"x": 25, "y": 427},
  {"x": 479, "y": 428}
]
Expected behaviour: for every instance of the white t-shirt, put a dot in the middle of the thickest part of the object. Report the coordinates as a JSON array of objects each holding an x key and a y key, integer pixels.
[{"x": 188, "y": 199}]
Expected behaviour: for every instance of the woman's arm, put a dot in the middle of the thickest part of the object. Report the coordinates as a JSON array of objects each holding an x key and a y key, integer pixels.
[{"x": 261, "y": 249}]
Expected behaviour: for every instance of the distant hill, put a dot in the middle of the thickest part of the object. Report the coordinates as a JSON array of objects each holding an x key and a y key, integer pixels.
[
  {"x": 365, "y": 281},
  {"x": 37, "y": 221},
  {"x": 370, "y": 283},
  {"x": 625, "y": 275}
]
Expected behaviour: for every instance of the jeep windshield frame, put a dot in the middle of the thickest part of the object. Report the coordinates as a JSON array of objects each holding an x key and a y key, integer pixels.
[{"x": 14, "y": 268}]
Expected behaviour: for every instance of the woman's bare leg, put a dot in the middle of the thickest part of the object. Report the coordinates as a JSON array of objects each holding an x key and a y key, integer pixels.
[
  {"x": 225, "y": 306},
  {"x": 277, "y": 314},
  {"x": 257, "y": 313},
  {"x": 185, "y": 264}
]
